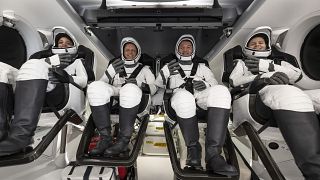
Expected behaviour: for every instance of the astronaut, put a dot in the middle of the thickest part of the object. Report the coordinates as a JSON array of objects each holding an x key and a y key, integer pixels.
[
  {"x": 194, "y": 84},
  {"x": 127, "y": 78},
  {"x": 33, "y": 80},
  {"x": 292, "y": 109}
]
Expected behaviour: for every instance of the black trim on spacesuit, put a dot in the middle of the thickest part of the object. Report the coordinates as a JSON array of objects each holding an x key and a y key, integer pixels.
[
  {"x": 188, "y": 85},
  {"x": 109, "y": 76}
]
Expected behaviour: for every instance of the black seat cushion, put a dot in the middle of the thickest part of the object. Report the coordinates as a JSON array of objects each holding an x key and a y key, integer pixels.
[{"x": 12, "y": 47}]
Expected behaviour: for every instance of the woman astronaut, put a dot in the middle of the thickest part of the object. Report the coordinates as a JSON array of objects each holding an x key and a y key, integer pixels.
[
  {"x": 205, "y": 92},
  {"x": 32, "y": 82},
  {"x": 292, "y": 109},
  {"x": 119, "y": 80}
]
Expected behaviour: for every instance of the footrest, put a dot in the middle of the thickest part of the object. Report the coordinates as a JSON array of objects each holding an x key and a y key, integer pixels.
[
  {"x": 83, "y": 158},
  {"x": 193, "y": 174},
  {"x": 88, "y": 172}
]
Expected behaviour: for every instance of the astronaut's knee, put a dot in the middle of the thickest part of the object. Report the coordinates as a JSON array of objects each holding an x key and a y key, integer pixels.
[
  {"x": 99, "y": 93},
  {"x": 286, "y": 97},
  {"x": 33, "y": 69},
  {"x": 219, "y": 96},
  {"x": 130, "y": 95},
  {"x": 183, "y": 102}
]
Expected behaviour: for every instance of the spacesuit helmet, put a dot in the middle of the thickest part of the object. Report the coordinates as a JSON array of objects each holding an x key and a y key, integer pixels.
[
  {"x": 185, "y": 37},
  {"x": 61, "y": 32},
  {"x": 122, "y": 46},
  {"x": 263, "y": 32}
]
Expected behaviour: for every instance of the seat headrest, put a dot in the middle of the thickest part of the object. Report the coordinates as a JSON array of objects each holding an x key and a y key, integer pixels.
[
  {"x": 13, "y": 50},
  {"x": 229, "y": 61},
  {"x": 277, "y": 55}
]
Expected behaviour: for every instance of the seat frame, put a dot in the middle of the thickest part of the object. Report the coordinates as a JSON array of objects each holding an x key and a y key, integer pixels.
[{"x": 171, "y": 123}]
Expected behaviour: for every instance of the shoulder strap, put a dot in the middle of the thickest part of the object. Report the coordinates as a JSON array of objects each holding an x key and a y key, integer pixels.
[
  {"x": 181, "y": 72},
  {"x": 136, "y": 71},
  {"x": 194, "y": 68}
]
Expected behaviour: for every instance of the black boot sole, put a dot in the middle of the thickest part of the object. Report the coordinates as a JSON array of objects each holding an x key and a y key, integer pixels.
[
  {"x": 223, "y": 173},
  {"x": 121, "y": 154},
  {"x": 194, "y": 168}
]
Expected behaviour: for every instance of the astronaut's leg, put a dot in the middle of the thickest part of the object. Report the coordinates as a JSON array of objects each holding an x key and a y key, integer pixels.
[
  {"x": 30, "y": 94},
  {"x": 315, "y": 97},
  {"x": 294, "y": 113},
  {"x": 5, "y": 108},
  {"x": 6, "y": 97},
  {"x": 218, "y": 104},
  {"x": 99, "y": 94},
  {"x": 130, "y": 97},
  {"x": 183, "y": 102}
]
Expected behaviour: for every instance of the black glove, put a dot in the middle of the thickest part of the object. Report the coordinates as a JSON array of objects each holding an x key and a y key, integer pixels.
[
  {"x": 278, "y": 78},
  {"x": 118, "y": 65},
  {"x": 65, "y": 60},
  {"x": 145, "y": 88},
  {"x": 199, "y": 85},
  {"x": 52, "y": 77},
  {"x": 131, "y": 80},
  {"x": 253, "y": 64},
  {"x": 62, "y": 75},
  {"x": 173, "y": 66}
]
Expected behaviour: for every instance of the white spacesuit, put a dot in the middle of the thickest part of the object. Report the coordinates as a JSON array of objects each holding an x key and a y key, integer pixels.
[
  {"x": 194, "y": 84},
  {"x": 127, "y": 78},
  {"x": 292, "y": 109},
  {"x": 32, "y": 83}
]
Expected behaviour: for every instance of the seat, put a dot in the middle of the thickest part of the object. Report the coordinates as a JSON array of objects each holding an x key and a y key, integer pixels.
[
  {"x": 169, "y": 128},
  {"x": 247, "y": 101},
  {"x": 66, "y": 94},
  {"x": 141, "y": 123}
]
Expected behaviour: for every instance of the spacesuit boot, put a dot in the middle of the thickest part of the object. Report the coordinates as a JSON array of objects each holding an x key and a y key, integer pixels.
[
  {"x": 29, "y": 99},
  {"x": 216, "y": 133},
  {"x": 301, "y": 131},
  {"x": 190, "y": 131},
  {"x": 101, "y": 119},
  {"x": 127, "y": 117},
  {"x": 6, "y": 107}
]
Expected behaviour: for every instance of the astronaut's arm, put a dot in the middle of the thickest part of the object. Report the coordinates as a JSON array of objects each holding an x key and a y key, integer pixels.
[
  {"x": 80, "y": 77},
  {"x": 162, "y": 78},
  {"x": 294, "y": 74},
  {"x": 149, "y": 86},
  {"x": 239, "y": 76},
  {"x": 209, "y": 78}
]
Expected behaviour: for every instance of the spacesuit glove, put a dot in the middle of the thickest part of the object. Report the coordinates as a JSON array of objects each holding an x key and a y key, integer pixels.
[
  {"x": 65, "y": 60},
  {"x": 257, "y": 84},
  {"x": 62, "y": 75},
  {"x": 173, "y": 66},
  {"x": 145, "y": 88},
  {"x": 278, "y": 78},
  {"x": 252, "y": 64},
  {"x": 52, "y": 77},
  {"x": 118, "y": 65},
  {"x": 199, "y": 85}
]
